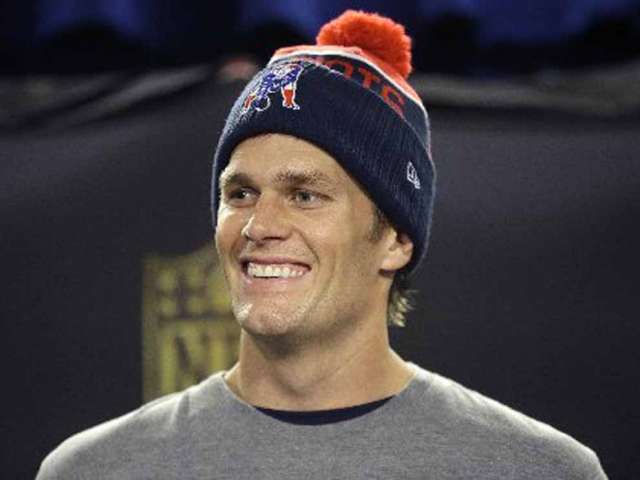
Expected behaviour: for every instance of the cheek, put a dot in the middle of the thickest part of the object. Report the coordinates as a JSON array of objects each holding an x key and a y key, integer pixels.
[
  {"x": 228, "y": 231},
  {"x": 361, "y": 253},
  {"x": 342, "y": 241}
]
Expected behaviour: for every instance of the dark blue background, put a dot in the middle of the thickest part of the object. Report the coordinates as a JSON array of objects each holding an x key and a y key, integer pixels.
[{"x": 471, "y": 37}]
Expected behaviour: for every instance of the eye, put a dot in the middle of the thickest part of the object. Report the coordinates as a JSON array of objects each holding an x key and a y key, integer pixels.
[
  {"x": 304, "y": 196},
  {"x": 239, "y": 196}
]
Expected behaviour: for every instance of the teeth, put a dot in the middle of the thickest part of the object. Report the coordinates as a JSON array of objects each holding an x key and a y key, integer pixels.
[{"x": 273, "y": 271}]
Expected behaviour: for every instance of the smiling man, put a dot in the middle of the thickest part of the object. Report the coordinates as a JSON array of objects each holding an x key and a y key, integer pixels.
[
  {"x": 322, "y": 193},
  {"x": 309, "y": 271}
]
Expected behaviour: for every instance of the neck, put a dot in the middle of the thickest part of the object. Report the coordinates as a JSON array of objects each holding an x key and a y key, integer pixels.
[{"x": 361, "y": 369}]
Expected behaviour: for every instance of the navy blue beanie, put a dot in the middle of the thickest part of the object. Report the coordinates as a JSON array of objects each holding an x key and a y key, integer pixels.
[{"x": 349, "y": 96}]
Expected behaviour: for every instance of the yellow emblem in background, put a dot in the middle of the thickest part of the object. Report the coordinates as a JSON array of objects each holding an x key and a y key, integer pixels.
[{"x": 188, "y": 330}]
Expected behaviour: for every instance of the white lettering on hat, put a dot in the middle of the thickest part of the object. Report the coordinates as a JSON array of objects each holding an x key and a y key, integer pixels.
[{"x": 412, "y": 175}]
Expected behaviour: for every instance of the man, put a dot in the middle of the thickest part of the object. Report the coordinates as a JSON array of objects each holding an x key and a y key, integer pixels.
[{"x": 322, "y": 197}]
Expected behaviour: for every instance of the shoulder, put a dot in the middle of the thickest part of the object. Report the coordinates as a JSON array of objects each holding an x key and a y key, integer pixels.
[
  {"x": 476, "y": 422},
  {"x": 135, "y": 438}
]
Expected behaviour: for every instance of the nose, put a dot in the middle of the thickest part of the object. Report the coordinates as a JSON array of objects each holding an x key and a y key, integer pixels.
[{"x": 268, "y": 221}]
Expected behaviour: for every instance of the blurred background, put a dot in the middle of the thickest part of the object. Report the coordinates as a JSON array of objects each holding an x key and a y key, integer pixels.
[{"x": 110, "y": 292}]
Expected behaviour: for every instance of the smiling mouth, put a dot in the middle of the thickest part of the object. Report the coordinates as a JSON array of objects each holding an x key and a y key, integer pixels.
[{"x": 274, "y": 271}]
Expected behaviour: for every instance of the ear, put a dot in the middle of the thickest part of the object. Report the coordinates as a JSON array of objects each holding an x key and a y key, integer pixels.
[{"x": 398, "y": 251}]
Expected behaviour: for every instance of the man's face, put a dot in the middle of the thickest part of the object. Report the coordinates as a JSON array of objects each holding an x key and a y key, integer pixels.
[{"x": 294, "y": 238}]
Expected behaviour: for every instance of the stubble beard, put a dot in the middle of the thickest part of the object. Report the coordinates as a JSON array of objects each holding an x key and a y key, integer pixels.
[{"x": 276, "y": 318}]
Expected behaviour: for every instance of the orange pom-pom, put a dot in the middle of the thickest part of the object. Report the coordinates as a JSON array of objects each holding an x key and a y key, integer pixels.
[{"x": 374, "y": 33}]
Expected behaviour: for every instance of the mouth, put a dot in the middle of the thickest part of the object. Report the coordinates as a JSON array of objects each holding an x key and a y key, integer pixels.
[{"x": 274, "y": 270}]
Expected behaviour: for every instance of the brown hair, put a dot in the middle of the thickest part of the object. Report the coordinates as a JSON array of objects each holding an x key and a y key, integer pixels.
[{"x": 401, "y": 296}]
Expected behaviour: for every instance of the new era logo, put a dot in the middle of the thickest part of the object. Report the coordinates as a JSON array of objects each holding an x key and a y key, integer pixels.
[{"x": 412, "y": 175}]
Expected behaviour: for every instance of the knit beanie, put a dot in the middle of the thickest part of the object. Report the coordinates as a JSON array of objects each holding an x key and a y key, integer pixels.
[{"x": 348, "y": 95}]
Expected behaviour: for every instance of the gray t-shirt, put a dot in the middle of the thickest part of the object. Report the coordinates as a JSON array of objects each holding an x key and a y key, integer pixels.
[{"x": 433, "y": 429}]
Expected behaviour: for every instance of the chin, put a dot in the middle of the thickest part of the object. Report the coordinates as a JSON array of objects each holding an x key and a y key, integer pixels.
[{"x": 265, "y": 322}]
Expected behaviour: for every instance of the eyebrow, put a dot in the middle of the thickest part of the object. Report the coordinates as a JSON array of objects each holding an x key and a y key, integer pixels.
[
  {"x": 304, "y": 177},
  {"x": 289, "y": 178},
  {"x": 234, "y": 179}
]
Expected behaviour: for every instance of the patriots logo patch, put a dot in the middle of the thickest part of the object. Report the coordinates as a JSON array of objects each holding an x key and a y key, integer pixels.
[{"x": 281, "y": 78}]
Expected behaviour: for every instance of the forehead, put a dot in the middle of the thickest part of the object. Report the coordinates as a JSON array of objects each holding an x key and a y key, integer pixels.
[{"x": 281, "y": 157}]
